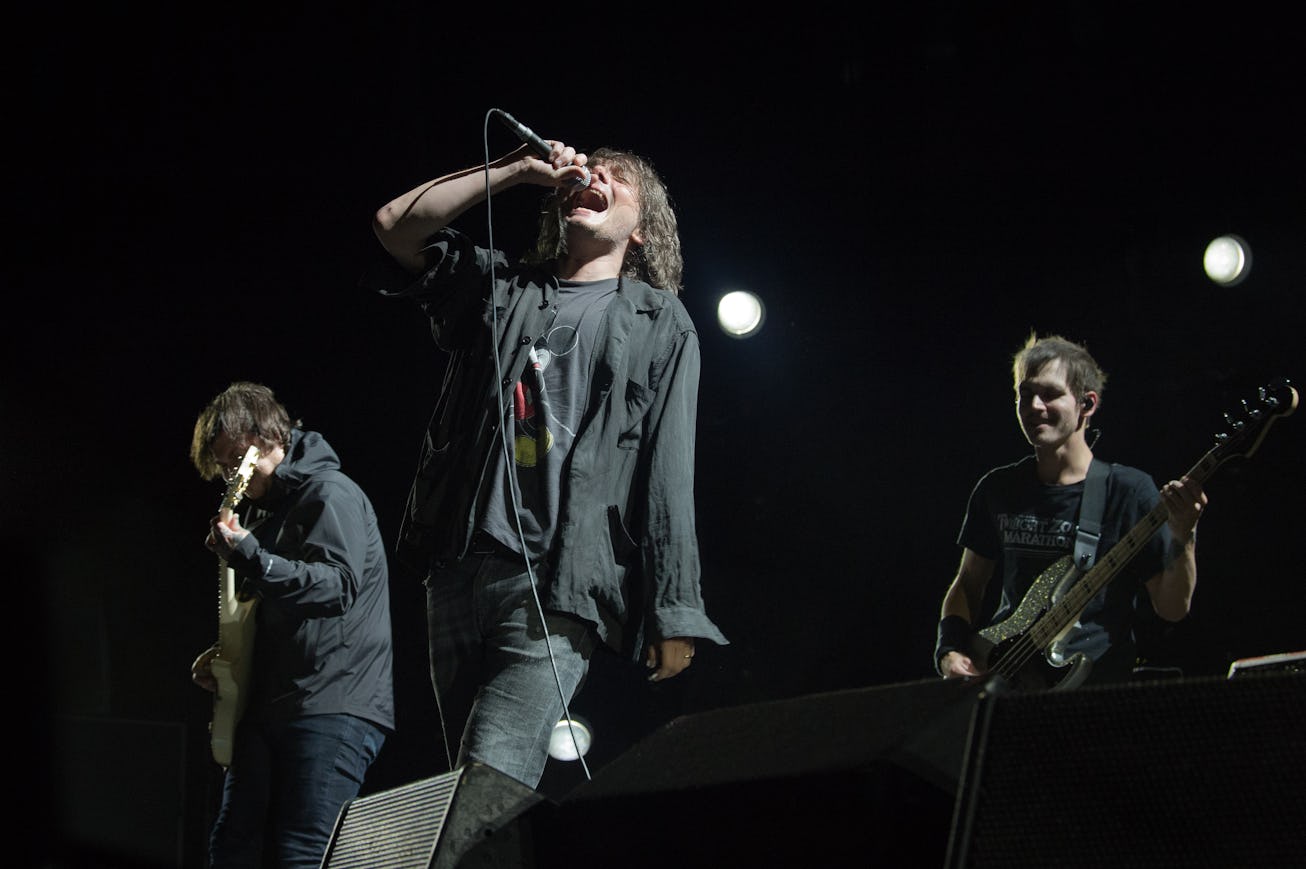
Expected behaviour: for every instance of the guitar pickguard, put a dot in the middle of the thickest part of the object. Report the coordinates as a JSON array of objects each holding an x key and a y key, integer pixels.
[
  {"x": 1014, "y": 649},
  {"x": 1037, "y": 600}
]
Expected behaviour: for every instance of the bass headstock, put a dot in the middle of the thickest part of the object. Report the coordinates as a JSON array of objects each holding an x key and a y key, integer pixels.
[{"x": 1247, "y": 426}]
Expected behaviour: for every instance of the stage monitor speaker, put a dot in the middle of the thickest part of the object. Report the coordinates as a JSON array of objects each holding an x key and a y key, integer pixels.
[
  {"x": 1292, "y": 662},
  {"x": 857, "y": 777},
  {"x": 430, "y": 824},
  {"x": 1182, "y": 773}
]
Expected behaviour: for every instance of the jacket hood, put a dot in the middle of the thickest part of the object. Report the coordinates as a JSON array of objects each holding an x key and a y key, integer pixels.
[{"x": 308, "y": 455}]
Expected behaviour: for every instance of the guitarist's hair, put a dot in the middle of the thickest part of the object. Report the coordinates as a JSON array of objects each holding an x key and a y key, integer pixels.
[
  {"x": 243, "y": 408},
  {"x": 1083, "y": 374}
]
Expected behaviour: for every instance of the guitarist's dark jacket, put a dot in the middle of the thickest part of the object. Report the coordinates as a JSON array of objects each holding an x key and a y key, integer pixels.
[{"x": 317, "y": 563}]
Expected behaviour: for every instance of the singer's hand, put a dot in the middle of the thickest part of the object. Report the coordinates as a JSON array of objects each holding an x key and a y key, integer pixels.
[
  {"x": 563, "y": 167},
  {"x": 668, "y": 657}
]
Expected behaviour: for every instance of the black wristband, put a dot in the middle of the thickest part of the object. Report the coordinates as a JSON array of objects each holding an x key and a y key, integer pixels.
[{"x": 954, "y": 636}]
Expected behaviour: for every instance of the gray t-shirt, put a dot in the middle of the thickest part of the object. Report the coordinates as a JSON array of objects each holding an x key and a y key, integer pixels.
[{"x": 548, "y": 405}]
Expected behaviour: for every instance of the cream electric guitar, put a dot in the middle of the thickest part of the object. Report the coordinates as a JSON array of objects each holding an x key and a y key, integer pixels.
[{"x": 231, "y": 664}]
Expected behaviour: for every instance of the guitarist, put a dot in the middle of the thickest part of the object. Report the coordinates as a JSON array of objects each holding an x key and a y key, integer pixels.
[
  {"x": 321, "y": 698},
  {"x": 1023, "y": 517}
]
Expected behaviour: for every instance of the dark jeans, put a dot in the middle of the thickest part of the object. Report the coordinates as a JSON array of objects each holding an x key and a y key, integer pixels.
[
  {"x": 285, "y": 788},
  {"x": 491, "y": 667}
]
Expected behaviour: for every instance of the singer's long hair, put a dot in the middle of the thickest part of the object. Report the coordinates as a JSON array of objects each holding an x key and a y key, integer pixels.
[{"x": 657, "y": 261}]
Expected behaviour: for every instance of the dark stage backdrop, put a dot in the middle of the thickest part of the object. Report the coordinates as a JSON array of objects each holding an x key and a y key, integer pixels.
[{"x": 911, "y": 195}]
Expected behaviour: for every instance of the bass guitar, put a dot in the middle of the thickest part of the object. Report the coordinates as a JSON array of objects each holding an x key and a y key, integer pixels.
[
  {"x": 1025, "y": 649},
  {"x": 234, "y": 650}
]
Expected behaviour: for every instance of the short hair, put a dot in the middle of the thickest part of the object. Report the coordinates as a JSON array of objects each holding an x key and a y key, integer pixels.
[
  {"x": 1083, "y": 374},
  {"x": 243, "y": 408},
  {"x": 658, "y": 260}
]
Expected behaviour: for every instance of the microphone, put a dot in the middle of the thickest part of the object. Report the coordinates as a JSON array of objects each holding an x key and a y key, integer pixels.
[{"x": 538, "y": 145}]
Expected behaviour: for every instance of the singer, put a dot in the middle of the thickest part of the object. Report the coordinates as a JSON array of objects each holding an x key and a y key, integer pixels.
[{"x": 554, "y": 492}]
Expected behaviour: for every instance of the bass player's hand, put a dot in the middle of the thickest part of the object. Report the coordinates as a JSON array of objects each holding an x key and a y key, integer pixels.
[{"x": 955, "y": 664}]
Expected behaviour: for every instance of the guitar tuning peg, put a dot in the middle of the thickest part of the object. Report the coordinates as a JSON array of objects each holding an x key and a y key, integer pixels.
[{"x": 1251, "y": 412}]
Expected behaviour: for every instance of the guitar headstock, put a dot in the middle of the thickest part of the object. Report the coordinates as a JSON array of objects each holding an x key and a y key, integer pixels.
[
  {"x": 1248, "y": 426},
  {"x": 239, "y": 481}
]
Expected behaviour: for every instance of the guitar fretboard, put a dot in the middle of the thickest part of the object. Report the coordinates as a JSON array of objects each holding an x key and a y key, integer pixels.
[{"x": 1062, "y": 614}]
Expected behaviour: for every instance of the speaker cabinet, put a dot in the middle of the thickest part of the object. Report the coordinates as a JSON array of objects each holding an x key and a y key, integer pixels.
[
  {"x": 436, "y": 823},
  {"x": 1195, "y": 772},
  {"x": 848, "y": 778}
]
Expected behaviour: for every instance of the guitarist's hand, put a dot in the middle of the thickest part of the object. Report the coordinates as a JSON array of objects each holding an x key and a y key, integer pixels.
[
  {"x": 224, "y": 535},
  {"x": 955, "y": 665},
  {"x": 201, "y": 673}
]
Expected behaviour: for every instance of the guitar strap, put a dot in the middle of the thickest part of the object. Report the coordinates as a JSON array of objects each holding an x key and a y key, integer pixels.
[{"x": 1091, "y": 507}]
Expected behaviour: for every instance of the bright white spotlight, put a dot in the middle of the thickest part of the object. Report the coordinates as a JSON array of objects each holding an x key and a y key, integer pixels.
[
  {"x": 562, "y": 746},
  {"x": 740, "y": 314},
  {"x": 1227, "y": 261}
]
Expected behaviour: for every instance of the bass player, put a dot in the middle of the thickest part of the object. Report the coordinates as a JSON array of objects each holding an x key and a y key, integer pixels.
[{"x": 1024, "y": 517}]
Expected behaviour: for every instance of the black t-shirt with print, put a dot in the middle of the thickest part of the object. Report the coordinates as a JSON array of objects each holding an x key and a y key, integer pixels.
[{"x": 1024, "y": 525}]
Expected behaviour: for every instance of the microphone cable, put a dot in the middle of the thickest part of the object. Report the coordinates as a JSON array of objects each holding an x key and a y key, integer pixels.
[{"x": 508, "y": 452}]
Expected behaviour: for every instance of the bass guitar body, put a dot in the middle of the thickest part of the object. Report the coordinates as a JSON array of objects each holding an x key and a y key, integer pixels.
[{"x": 1005, "y": 647}]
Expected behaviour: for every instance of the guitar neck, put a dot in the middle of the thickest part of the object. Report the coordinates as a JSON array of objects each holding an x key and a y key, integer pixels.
[
  {"x": 1066, "y": 611},
  {"x": 226, "y": 597},
  {"x": 226, "y": 581}
]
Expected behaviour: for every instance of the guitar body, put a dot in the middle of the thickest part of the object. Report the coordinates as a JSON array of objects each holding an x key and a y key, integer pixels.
[
  {"x": 231, "y": 666},
  {"x": 1039, "y": 664}
]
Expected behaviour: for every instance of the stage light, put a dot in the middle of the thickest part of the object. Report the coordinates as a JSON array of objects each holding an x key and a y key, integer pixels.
[
  {"x": 562, "y": 746},
  {"x": 1227, "y": 261},
  {"x": 740, "y": 314}
]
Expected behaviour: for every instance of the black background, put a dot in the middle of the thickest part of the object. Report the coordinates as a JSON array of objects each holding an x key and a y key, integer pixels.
[{"x": 910, "y": 194}]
